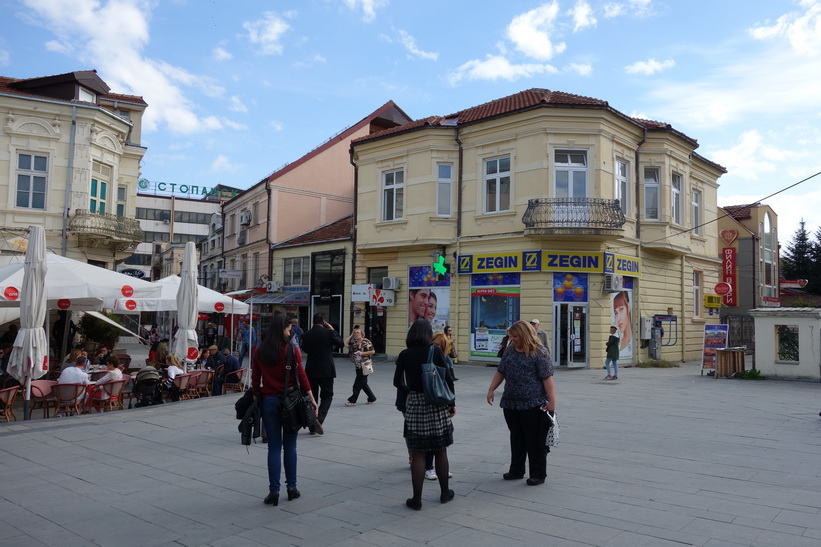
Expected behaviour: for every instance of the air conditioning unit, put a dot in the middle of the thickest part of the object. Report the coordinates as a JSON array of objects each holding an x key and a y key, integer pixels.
[
  {"x": 245, "y": 218},
  {"x": 613, "y": 282},
  {"x": 273, "y": 286},
  {"x": 390, "y": 283}
]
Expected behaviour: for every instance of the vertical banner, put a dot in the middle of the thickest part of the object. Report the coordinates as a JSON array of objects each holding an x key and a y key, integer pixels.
[
  {"x": 728, "y": 274},
  {"x": 621, "y": 316},
  {"x": 715, "y": 338},
  {"x": 428, "y": 297},
  {"x": 494, "y": 306}
]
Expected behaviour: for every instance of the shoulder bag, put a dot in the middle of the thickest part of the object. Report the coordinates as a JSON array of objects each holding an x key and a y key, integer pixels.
[
  {"x": 437, "y": 391},
  {"x": 296, "y": 409}
]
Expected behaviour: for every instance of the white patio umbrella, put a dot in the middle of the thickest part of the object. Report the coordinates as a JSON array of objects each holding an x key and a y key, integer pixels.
[
  {"x": 208, "y": 300},
  {"x": 29, "y": 356},
  {"x": 186, "y": 342}
]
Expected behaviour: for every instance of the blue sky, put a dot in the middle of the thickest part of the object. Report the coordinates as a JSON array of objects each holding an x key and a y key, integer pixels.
[{"x": 238, "y": 89}]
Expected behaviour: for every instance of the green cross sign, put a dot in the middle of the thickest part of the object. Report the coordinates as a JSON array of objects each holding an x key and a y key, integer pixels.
[{"x": 439, "y": 266}]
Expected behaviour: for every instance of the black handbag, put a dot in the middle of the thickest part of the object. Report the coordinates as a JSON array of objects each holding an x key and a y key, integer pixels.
[
  {"x": 296, "y": 409},
  {"x": 437, "y": 391}
]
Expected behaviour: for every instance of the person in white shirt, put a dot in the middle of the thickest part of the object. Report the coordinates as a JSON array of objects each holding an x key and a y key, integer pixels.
[
  {"x": 75, "y": 375},
  {"x": 174, "y": 368},
  {"x": 113, "y": 373}
]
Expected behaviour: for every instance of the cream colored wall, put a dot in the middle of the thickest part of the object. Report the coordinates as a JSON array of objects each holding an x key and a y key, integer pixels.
[{"x": 808, "y": 321}]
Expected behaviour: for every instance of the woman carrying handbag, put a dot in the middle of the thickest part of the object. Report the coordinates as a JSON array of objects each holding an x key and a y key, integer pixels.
[
  {"x": 360, "y": 352},
  {"x": 268, "y": 383}
]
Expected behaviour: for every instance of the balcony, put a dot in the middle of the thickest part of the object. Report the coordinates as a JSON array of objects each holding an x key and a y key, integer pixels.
[
  {"x": 594, "y": 217},
  {"x": 104, "y": 230}
]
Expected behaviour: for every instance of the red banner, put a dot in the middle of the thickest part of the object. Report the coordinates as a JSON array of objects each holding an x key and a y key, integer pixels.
[{"x": 728, "y": 275}]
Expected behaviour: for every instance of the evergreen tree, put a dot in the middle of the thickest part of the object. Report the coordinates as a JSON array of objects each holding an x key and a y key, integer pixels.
[
  {"x": 815, "y": 281},
  {"x": 797, "y": 259}
]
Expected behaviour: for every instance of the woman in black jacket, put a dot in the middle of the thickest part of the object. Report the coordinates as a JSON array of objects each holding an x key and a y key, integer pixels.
[{"x": 427, "y": 427}]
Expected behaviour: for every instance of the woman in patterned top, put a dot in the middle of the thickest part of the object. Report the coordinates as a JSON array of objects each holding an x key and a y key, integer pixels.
[
  {"x": 527, "y": 371},
  {"x": 360, "y": 350}
]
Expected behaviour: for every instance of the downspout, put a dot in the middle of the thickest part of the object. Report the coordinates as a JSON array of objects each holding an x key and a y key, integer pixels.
[
  {"x": 637, "y": 200},
  {"x": 683, "y": 303},
  {"x": 69, "y": 176},
  {"x": 268, "y": 241},
  {"x": 353, "y": 233},
  {"x": 459, "y": 165}
]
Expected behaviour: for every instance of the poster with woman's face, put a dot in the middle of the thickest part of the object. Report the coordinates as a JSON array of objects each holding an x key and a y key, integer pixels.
[
  {"x": 428, "y": 298},
  {"x": 621, "y": 315}
]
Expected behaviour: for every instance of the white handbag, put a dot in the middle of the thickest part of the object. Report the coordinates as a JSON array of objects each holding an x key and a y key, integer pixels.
[
  {"x": 367, "y": 369},
  {"x": 553, "y": 431}
]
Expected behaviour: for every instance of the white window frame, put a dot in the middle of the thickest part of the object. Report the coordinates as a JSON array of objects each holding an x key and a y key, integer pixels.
[
  {"x": 31, "y": 176},
  {"x": 695, "y": 208},
  {"x": 122, "y": 200},
  {"x": 623, "y": 184},
  {"x": 498, "y": 179},
  {"x": 571, "y": 168},
  {"x": 676, "y": 182},
  {"x": 654, "y": 184},
  {"x": 289, "y": 269},
  {"x": 393, "y": 195},
  {"x": 444, "y": 190},
  {"x": 697, "y": 281}
]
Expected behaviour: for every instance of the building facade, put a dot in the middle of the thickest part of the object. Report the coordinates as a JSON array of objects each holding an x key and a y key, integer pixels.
[
  {"x": 69, "y": 161},
  {"x": 540, "y": 205}
]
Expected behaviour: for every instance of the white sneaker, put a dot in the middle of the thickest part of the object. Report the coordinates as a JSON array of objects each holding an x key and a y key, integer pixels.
[{"x": 430, "y": 474}]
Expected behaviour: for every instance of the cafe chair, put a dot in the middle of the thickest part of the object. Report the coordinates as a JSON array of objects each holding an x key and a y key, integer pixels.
[
  {"x": 192, "y": 384},
  {"x": 181, "y": 382},
  {"x": 114, "y": 389},
  {"x": 97, "y": 374},
  {"x": 70, "y": 398},
  {"x": 7, "y": 397},
  {"x": 204, "y": 382},
  {"x": 233, "y": 381},
  {"x": 42, "y": 395}
]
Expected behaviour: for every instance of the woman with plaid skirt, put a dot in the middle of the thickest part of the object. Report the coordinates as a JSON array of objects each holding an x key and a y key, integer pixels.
[{"x": 427, "y": 427}]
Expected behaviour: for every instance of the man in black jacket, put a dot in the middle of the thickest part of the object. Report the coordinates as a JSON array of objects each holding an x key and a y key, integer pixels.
[{"x": 319, "y": 343}]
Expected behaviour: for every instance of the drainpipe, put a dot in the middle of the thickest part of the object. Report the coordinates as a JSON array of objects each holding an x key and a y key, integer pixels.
[
  {"x": 353, "y": 232},
  {"x": 268, "y": 234},
  {"x": 683, "y": 303},
  {"x": 69, "y": 176},
  {"x": 459, "y": 196},
  {"x": 638, "y": 186}
]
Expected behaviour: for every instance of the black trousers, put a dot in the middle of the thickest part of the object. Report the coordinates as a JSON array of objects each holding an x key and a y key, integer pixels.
[
  {"x": 323, "y": 390},
  {"x": 361, "y": 384},
  {"x": 528, "y": 433}
]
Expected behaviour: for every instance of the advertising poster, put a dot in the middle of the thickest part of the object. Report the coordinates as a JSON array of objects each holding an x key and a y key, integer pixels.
[
  {"x": 494, "y": 306},
  {"x": 715, "y": 338},
  {"x": 570, "y": 287},
  {"x": 428, "y": 297},
  {"x": 621, "y": 316}
]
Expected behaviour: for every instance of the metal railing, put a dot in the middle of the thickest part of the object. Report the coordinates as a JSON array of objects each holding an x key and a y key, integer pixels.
[
  {"x": 573, "y": 213},
  {"x": 106, "y": 225}
]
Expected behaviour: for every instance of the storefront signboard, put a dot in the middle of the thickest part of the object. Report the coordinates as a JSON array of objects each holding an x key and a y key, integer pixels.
[
  {"x": 549, "y": 261},
  {"x": 715, "y": 338}
]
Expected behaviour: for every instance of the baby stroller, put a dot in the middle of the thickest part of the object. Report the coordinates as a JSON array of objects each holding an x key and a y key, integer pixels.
[{"x": 147, "y": 388}]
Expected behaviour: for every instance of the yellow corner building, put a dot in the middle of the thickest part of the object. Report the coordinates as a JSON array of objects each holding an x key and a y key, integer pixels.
[{"x": 541, "y": 205}]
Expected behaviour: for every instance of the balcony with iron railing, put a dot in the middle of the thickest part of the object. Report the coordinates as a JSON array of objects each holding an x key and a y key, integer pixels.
[
  {"x": 596, "y": 218},
  {"x": 104, "y": 230}
]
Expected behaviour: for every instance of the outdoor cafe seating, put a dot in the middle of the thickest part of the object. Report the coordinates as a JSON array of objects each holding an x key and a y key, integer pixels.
[
  {"x": 7, "y": 398},
  {"x": 114, "y": 390},
  {"x": 70, "y": 398},
  {"x": 42, "y": 396}
]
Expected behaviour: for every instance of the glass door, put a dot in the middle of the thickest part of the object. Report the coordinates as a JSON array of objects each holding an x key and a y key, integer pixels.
[{"x": 570, "y": 335}]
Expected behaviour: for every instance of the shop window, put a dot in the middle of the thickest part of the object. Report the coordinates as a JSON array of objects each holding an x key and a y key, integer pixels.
[{"x": 786, "y": 342}]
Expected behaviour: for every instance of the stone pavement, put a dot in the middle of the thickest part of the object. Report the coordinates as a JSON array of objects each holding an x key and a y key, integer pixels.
[{"x": 659, "y": 457}]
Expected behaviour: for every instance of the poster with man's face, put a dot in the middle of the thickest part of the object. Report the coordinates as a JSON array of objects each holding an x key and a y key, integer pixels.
[{"x": 428, "y": 298}]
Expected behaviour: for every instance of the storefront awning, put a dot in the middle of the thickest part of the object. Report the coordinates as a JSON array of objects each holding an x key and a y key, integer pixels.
[{"x": 300, "y": 298}]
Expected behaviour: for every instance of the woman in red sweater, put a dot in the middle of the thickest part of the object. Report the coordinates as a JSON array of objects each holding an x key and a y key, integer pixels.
[{"x": 268, "y": 382}]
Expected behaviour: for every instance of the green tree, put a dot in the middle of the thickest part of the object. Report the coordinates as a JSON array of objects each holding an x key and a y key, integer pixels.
[{"x": 797, "y": 257}]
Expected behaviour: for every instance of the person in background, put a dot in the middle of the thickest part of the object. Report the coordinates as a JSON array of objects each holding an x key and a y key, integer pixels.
[
  {"x": 174, "y": 368},
  {"x": 249, "y": 340},
  {"x": 427, "y": 427},
  {"x": 113, "y": 373},
  {"x": 75, "y": 375},
  {"x": 210, "y": 334},
  {"x": 268, "y": 384},
  {"x": 439, "y": 340},
  {"x": 71, "y": 359},
  {"x": 102, "y": 356},
  {"x": 319, "y": 343},
  {"x": 214, "y": 358},
  {"x": 540, "y": 334},
  {"x": 361, "y": 351},
  {"x": 162, "y": 352},
  {"x": 296, "y": 331},
  {"x": 612, "y": 347},
  {"x": 229, "y": 365},
  {"x": 527, "y": 371}
]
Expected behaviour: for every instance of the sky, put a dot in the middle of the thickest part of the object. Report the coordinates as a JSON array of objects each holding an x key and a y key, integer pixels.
[{"x": 236, "y": 90}]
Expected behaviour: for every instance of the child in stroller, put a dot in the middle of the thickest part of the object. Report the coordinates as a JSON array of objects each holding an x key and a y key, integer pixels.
[{"x": 147, "y": 387}]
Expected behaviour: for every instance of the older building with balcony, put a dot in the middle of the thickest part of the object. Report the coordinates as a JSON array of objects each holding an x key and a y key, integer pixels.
[
  {"x": 69, "y": 161},
  {"x": 540, "y": 205}
]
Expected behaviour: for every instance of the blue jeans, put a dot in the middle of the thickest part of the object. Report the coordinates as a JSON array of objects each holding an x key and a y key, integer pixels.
[
  {"x": 242, "y": 353},
  {"x": 615, "y": 366},
  {"x": 278, "y": 442}
]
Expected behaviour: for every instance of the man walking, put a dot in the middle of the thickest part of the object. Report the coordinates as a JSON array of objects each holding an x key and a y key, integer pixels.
[
  {"x": 540, "y": 334},
  {"x": 249, "y": 339},
  {"x": 319, "y": 343}
]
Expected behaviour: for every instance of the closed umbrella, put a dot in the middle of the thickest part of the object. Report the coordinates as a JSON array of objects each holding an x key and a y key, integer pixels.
[
  {"x": 29, "y": 356},
  {"x": 186, "y": 343}
]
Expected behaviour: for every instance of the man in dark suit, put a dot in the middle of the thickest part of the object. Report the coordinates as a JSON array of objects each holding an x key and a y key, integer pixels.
[
  {"x": 229, "y": 364},
  {"x": 319, "y": 343}
]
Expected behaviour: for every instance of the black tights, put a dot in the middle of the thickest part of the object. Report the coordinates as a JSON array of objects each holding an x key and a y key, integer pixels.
[{"x": 418, "y": 471}]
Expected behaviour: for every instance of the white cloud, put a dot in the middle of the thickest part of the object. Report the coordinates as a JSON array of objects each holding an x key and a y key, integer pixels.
[
  {"x": 222, "y": 164},
  {"x": 277, "y": 126},
  {"x": 267, "y": 32},
  {"x": 748, "y": 159},
  {"x": 637, "y": 8},
  {"x": 496, "y": 67},
  {"x": 368, "y": 7},
  {"x": 410, "y": 44},
  {"x": 582, "y": 16},
  {"x": 648, "y": 67},
  {"x": 237, "y": 105},
  {"x": 802, "y": 30},
  {"x": 221, "y": 54},
  {"x": 581, "y": 70},
  {"x": 532, "y": 31},
  {"x": 86, "y": 29}
]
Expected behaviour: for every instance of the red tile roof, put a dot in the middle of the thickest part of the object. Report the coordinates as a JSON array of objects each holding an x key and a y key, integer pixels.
[
  {"x": 740, "y": 212},
  {"x": 335, "y": 231}
]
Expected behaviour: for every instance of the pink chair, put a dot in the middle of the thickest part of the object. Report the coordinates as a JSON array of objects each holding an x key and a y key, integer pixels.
[
  {"x": 7, "y": 397},
  {"x": 42, "y": 395}
]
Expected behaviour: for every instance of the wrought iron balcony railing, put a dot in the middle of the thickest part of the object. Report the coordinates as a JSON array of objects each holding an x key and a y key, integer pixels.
[
  {"x": 118, "y": 230},
  {"x": 586, "y": 213}
]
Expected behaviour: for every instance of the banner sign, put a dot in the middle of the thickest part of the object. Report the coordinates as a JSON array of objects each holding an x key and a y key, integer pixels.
[
  {"x": 549, "y": 261},
  {"x": 728, "y": 274},
  {"x": 715, "y": 338}
]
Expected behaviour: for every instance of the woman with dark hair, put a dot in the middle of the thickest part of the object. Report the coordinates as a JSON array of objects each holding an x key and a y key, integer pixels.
[
  {"x": 527, "y": 372},
  {"x": 268, "y": 383},
  {"x": 427, "y": 427}
]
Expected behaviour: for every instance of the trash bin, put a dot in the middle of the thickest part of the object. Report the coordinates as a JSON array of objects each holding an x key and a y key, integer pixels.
[{"x": 729, "y": 361}]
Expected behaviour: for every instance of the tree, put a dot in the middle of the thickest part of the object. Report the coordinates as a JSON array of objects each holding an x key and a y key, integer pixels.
[{"x": 797, "y": 260}]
